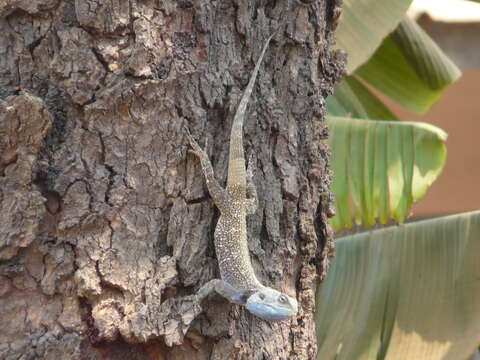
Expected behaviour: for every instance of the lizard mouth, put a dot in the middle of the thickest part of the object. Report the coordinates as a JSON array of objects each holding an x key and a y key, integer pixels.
[
  {"x": 270, "y": 312},
  {"x": 273, "y": 314},
  {"x": 275, "y": 307}
]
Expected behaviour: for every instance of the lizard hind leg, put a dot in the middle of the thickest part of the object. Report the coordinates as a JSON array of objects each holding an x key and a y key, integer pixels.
[{"x": 216, "y": 191}]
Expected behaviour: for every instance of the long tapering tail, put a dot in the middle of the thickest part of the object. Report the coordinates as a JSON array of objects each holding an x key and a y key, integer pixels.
[{"x": 236, "y": 180}]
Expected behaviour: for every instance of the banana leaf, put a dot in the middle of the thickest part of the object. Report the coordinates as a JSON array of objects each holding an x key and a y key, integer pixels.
[
  {"x": 410, "y": 68},
  {"x": 404, "y": 292},
  {"x": 381, "y": 167},
  {"x": 364, "y": 24}
]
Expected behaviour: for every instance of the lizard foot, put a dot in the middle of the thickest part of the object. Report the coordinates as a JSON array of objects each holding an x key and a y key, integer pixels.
[
  {"x": 190, "y": 138},
  {"x": 196, "y": 149},
  {"x": 193, "y": 152}
]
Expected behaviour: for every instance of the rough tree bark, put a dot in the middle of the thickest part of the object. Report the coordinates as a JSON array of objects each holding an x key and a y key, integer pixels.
[{"x": 106, "y": 228}]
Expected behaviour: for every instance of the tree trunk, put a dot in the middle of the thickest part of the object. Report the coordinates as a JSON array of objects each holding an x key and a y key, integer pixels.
[{"x": 106, "y": 228}]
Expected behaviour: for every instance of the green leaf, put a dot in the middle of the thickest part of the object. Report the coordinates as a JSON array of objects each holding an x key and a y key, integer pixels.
[
  {"x": 381, "y": 167},
  {"x": 409, "y": 68},
  {"x": 353, "y": 99},
  {"x": 364, "y": 24},
  {"x": 405, "y": 292}
]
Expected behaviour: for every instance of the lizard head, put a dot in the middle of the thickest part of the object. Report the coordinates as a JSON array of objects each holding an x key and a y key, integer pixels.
[{"x": 270, "y": 304}]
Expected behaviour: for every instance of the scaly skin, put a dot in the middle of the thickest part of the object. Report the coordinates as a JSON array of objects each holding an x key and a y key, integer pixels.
[{"x": 239, "y": 283}]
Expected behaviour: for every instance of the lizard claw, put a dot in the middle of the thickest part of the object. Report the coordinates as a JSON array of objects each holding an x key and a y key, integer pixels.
[
  {"x": 188, "y": 134},
  {"x": 196, "y": 148}
]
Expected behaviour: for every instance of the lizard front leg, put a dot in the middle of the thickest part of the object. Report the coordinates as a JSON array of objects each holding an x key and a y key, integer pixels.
[
  {"x": 224, "y": 289},
  {"x": 217, "y": 192},
  {"x": 251, "y": 202}
]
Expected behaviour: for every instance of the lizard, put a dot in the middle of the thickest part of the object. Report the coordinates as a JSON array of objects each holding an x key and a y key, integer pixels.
[{"x": 238, "y": 282}]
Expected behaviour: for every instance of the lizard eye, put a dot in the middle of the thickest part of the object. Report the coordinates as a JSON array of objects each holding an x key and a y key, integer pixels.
[
  {"x": 283, "y": 299},
  {"x": 261, "y": 296}
]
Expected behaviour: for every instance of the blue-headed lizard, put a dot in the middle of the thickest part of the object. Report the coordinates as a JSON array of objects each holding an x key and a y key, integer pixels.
[{"x": 238, "y": 281}]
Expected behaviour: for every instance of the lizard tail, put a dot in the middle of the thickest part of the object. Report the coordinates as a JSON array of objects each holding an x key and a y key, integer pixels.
[{"x": 236, "y": 161}]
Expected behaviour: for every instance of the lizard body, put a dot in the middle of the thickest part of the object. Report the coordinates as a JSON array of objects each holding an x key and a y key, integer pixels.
[{"x": 238, "y": 281}]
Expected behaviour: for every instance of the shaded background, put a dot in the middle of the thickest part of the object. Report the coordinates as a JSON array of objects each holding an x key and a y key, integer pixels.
[{"x": 457, "y": 112}]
